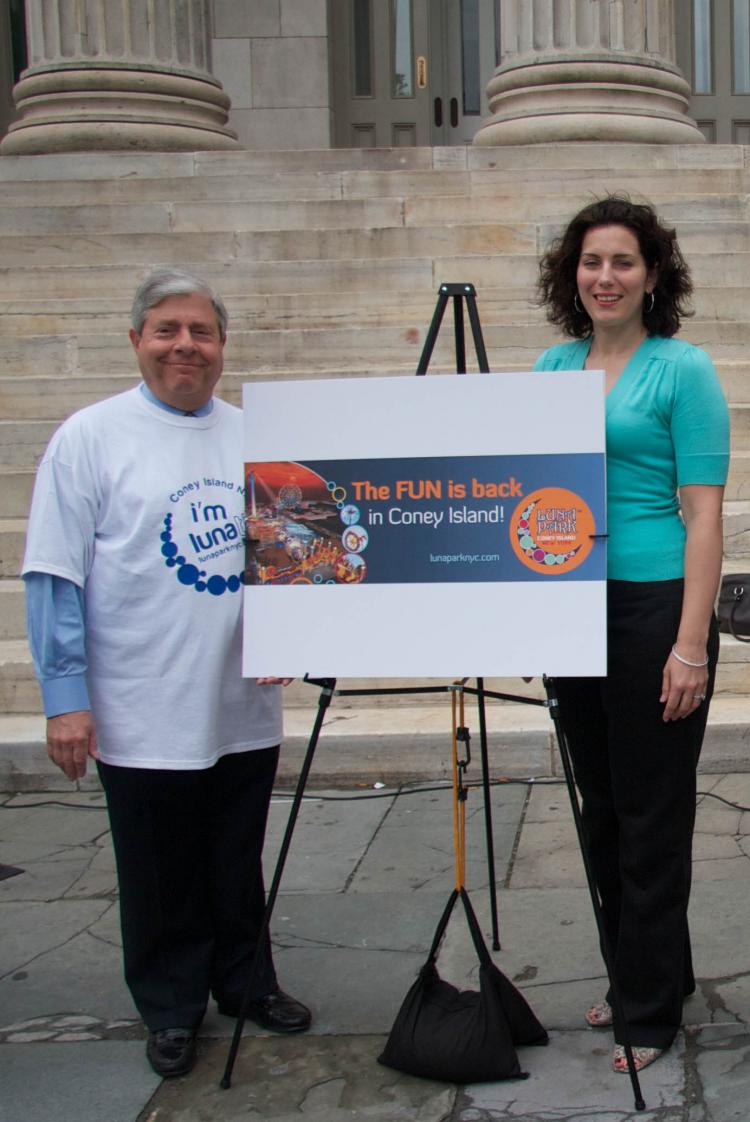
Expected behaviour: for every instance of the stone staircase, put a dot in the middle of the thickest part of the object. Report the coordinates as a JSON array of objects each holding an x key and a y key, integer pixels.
[{"x": 329, "y": 262}]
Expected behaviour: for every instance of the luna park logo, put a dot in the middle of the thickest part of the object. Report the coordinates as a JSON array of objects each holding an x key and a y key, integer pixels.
[{"x": 552, "y": 531}]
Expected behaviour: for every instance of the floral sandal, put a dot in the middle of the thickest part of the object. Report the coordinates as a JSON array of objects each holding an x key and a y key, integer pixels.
[
  {"x": 599, "y": 1015},
  {"x": 642, "y": 1057}
]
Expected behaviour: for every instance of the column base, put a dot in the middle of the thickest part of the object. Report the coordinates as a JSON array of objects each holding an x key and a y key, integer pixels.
[
  {"x": 580, "y": 98},
  {"x": 116, "y": 109}
]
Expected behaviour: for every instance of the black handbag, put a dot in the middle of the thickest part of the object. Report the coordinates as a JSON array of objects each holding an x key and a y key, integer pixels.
[
  {"x": 461, "y": 1036},
  {"x": 733, "y": 609}
]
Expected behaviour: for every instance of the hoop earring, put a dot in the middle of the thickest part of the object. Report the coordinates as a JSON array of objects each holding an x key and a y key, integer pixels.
[
  {"x": 577, "y": 305},
  {"x": 647, "y": 311}
]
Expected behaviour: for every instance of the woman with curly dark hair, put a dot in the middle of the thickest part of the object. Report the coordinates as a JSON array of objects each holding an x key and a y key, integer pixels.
[{"x": 617, "y": 283}]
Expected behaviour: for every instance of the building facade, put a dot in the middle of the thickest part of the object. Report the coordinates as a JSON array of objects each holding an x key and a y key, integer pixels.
[{"x": 276, "y": 74}]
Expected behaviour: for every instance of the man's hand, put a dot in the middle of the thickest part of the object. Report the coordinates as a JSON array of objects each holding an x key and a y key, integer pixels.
[
  {"x": 71, "y": 739},
  {"x": 274, "y": 681}
]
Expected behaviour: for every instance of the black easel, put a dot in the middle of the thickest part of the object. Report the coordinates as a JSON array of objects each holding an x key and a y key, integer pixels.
[{"x": 459, "y": 293}]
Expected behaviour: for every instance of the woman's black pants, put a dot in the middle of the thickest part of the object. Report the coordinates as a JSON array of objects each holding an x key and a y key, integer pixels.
[
  {"x": 637, "y": 779},
  {"x": 188, "y": 848}
]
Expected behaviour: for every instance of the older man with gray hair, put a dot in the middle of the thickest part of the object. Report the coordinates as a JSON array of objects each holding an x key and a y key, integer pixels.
[{"x": 133, "y": 572}]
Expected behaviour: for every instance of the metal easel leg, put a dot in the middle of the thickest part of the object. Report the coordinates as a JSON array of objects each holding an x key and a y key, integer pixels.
[
  {"x": 488, "y": 813},
  {"x": 327, "y": 686},
  {"x": 562, "y": 742}
]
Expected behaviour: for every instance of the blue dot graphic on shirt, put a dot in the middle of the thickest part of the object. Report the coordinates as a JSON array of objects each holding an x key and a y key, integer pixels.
[{"x": 190, "y": 575}]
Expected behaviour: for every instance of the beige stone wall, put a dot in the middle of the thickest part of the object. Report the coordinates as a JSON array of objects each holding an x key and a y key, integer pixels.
[{"x": 271, "y": 57}]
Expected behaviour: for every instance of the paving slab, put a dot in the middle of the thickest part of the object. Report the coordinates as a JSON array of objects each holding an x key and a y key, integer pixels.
[
  {"x": 323, "y": 1079},
  {"x": 75, "y": 1082},
  {"x": 366, "y": 882},
  {"x": 722, "y": 1067},
  {"x": 573, "y": 1066}
]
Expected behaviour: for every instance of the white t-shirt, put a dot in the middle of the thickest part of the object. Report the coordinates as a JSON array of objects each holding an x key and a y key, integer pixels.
[{"x": 144, "y": 509}]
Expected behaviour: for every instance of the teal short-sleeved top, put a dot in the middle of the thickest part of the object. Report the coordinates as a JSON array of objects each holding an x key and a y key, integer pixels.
[{"x": 667, "y": 426}]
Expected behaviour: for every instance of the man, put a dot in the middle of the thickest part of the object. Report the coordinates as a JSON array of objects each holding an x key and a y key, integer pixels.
[{"x": 133, "y": 573}]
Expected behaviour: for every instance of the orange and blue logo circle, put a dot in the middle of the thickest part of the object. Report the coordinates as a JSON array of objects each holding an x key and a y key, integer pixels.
[{"x": 551, "y": 530}]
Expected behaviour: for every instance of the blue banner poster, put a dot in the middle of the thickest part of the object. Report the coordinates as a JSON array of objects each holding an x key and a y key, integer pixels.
[
  {"x": 425, "y": 520},
  {"x": 425, "y": 527}
]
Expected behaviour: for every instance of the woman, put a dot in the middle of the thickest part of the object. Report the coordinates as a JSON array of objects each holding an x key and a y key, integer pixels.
[{"x": 617, "y": 284}]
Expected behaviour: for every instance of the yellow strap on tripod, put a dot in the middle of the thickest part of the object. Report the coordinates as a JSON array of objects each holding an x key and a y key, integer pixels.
[{"x": 459, "y": 803}]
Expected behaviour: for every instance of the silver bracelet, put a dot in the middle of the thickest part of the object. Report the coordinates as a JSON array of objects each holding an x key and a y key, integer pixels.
[{"x": 686, "y": 661}]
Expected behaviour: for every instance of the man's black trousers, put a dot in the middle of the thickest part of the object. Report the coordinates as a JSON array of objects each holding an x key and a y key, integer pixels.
[{"x": 188, "y": 848}]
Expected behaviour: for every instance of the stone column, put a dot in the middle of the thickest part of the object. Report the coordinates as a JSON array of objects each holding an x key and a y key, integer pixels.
[
  {"x": 588, "y": 70},
  {"x": 112, "y": 75}
]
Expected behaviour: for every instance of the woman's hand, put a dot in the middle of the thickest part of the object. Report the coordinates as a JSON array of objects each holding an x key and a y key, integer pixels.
[{"x": 683, "y": 688}]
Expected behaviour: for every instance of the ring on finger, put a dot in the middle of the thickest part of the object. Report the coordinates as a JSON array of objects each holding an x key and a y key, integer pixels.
[{"x": 699, "y": 697}]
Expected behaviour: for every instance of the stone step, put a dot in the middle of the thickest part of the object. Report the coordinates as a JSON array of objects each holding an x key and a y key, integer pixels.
[
  {"x": 557, "y": 158},
  {"x": 394, "y": 745},
  {"x": 733, "y": 673},
  {"x": 101, "y": 205},
  {"x": 739, "y": 417},
  {"x": 51, "y": 317},
  {"x": 82, "y": 368},
  {"x": 394, "y": 241},
  {"x": 24, "y": 435},
  {"x": 212, "y": 242},
  {"x": 75, "y": 315},
  {"x": 393, "y": 202},
  {"x": 19, "y": 692},
  {"x": 22, "y": 443},
  {"x": 12, "y": 544},
  {"x": 102, "y": 353},
  {"x": 12, "y": 610},
  {"x": 736, "y": 535},
  {"x": 318, "y": 183},
  {"x": 471, "y": 236},
  {"x": 32, "y": 398},
  {"x": 271, "y": 279},
  {"x": 738, "y": 481},
  {"x": 16, "y": 485},
  {"x": 734, "y": 375},
  {"x": 348, "y": 349},
  {"x": 94, "y": 166}
]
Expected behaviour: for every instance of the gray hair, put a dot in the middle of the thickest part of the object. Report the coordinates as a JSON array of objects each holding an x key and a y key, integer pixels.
[{"x": 163, "y": 283}]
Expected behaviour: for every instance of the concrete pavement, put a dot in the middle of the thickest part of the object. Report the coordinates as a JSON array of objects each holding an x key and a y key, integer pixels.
[{"x": 365, "y": 884}]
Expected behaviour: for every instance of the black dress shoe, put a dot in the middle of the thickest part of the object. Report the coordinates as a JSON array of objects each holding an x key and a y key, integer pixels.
[
  {"x": 276, "y": 1011},
  {"x": 171, "y": 1051}
]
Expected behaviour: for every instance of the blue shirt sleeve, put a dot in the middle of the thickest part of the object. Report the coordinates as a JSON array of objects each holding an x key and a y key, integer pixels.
[{"x": 55, "y": 621}]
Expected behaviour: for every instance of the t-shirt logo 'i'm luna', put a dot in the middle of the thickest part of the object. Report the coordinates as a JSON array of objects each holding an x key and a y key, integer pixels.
[{"x": 189, "y": 573}]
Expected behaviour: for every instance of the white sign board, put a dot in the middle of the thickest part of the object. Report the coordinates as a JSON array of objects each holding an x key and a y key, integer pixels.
[{"x": 426, "y": 526}]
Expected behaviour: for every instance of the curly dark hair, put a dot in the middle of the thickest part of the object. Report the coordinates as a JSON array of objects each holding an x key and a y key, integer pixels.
[{"x": 557, "y": 287}]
